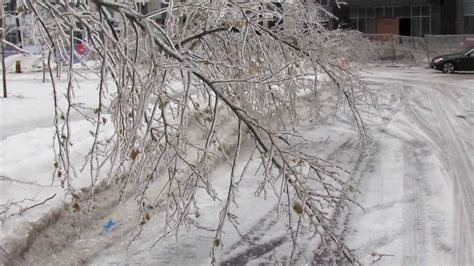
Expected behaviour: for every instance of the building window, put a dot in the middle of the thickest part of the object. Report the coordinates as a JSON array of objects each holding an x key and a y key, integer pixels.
[
  {"x": 363, "y": 19},
  {"x": 161, "y": 18},
  {"x": 12, "y": 37},
  {"x": 393, "y": 11},
  {"x": 277, "y": 20},
  {"x": 323, "y": 2},
  {"x": 468, "y": 10},
  {"x": 142, "y": 8},
  {"x": 469, "y": 24},
  {"x": 380, "y": 11},
  {"x": 468, "y": 7},
  {"x": 420, "y": 20},
  {"x": 10, "y": 7},
  {"x": 388, "y": 12}
]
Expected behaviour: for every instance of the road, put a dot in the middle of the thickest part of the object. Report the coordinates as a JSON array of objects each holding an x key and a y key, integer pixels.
[
  {"x": 422, "y": 176},
  {"x": 416, "y": 186}
]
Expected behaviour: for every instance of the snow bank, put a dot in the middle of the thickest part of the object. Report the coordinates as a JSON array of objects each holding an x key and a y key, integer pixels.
[
  {"x": 30, "y": 159},
  {"x": 258, "y": 219},
  {"x": 27, "y": 156}
]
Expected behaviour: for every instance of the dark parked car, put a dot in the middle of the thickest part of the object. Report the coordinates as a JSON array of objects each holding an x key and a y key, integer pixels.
[{"x": 454, "y": 62}]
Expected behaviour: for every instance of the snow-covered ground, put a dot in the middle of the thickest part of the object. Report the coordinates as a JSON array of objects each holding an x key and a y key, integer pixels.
[
  {"x": 418, "y": 189},
  {"x": 26, "y": 153},
  {"x": 416, "y": 184}
]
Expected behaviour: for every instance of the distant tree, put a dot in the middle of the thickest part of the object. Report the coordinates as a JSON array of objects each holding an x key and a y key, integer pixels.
[{"x": 191, "y": 90}]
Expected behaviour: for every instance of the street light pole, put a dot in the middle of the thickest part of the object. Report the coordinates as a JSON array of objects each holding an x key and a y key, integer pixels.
[
  {"x": 4, "y": 70},
  {"x": 17, "y": 20}
]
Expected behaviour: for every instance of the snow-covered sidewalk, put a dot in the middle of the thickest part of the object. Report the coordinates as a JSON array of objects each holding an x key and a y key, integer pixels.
[{"x": 27, "y": 157}]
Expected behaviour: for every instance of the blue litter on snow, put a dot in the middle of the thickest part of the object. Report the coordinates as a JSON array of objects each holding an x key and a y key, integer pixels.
[{"x": 109, "y": 225}]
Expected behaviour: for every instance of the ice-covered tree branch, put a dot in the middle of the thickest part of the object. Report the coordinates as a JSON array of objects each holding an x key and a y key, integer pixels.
[{"x": 190, "y": 92}]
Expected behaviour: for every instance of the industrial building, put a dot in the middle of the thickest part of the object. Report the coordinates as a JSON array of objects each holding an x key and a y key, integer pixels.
[
  {"x": 401, "y": 17},
  {"x": 407, "y": 17}
]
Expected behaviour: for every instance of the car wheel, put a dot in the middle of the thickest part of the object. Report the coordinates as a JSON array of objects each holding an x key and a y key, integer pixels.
[{"x": 448, "y": 67}]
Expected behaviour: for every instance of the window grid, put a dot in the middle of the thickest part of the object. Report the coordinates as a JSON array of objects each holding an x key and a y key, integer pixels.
[
  {"x": 468, "y": 8},
  {"x": 420, "y": 16},
  {"x": 417, "y": 14},
  {"x": 323, "y": 2},
  {"x": 362, "y": 16}
]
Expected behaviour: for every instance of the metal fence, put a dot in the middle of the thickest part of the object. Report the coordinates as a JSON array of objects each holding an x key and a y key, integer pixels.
[
  {"x": 416, "y": 50},
  {"x": 447, "y": 44}
]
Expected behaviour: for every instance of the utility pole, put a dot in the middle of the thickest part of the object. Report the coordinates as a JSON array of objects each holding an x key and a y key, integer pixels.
[
  {"x": 4, "y": 70},
  {"x": 17, "y": 20}
]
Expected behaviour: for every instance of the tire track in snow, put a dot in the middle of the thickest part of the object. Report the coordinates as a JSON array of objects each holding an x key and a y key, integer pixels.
[
  {"x": 460, "y": 169},
  {"x": 451, "y": 138},
  {"x": 448, "y": 138},
  {"x": 251, "y": 247},
  {"x": 413, "y": 182}
]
